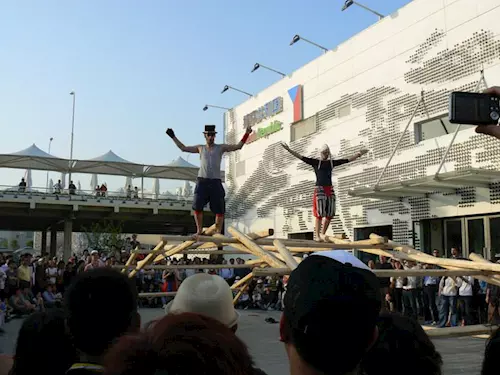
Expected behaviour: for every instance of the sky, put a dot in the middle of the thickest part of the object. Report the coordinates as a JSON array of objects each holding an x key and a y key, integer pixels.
[{"x": 139, "y": 67}]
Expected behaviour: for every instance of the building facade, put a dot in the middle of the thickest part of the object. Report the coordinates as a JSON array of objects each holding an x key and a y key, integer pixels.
[{"x": 385, "y": 89}]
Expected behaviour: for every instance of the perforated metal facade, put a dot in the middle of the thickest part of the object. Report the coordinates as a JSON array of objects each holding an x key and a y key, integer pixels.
[{"x": 362, "y": 95}]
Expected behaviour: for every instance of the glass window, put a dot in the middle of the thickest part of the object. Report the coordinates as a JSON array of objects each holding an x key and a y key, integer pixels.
[
  {"x": 436, "y": 127},
  {"x": 453, "y": 235},
  {"x": 475, "y": 234},
  {"x": 495, "y": 235}
]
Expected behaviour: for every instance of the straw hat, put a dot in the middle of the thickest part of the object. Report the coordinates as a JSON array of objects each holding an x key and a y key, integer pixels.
[{"x": 205, "y": 294}]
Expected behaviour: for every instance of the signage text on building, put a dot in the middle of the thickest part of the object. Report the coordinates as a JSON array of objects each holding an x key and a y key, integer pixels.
[
  {"x": 269, "y": 109},
  {"x": 273, "y": 127}
]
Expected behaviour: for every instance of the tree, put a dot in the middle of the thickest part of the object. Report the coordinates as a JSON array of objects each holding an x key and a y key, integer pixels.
[
  {"x": 105, "y": 236},
  {"x": 14, "y": 245},
  {"x": 29, "y": 243},
  {"x": 4, "y": 243}
]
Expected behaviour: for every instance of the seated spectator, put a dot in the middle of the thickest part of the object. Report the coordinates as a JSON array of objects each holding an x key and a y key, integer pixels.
[
  {"x": 95, "y": 261},
  {"x": 404, "y": 341},
  {"x": 42, "y": 335},
  {"x": 72, "y": 188},
  {"x": 22, "y": 186},
  {"x": 330, "y": 296},
  {"x": 136, "y": 193},
  {"x": 491, "y": 354},
  {"x": 58, "y": 187},
  {"x": 50, "y": 299},
  {"x": 101, "y": 306},
  {"x": 181, "y": 344},
  {"x": 20, "y": 305}
]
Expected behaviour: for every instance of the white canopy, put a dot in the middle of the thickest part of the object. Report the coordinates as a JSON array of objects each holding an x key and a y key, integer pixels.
[
  {"x": 33, "y": 158},
  {"x": 180, "y": 169},
  {"x": 110, "y": 164},
  {"x": 107, "y": 164}
]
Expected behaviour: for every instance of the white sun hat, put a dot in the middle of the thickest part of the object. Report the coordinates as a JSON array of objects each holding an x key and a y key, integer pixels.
[{"x": 205, "y": 294}]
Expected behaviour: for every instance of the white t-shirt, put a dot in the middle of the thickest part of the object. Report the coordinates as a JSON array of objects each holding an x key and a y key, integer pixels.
[{"x": 52, "y": 274}]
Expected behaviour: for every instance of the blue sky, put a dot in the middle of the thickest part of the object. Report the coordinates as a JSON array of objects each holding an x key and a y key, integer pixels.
[{"x": 139, "y": 67}]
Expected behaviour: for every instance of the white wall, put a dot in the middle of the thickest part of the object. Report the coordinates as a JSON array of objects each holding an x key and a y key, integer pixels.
[{"x": 434, "y": 45}]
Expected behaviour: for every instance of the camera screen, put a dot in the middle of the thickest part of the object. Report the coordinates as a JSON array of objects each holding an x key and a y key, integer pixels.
[{"x": 471, "y": 107}]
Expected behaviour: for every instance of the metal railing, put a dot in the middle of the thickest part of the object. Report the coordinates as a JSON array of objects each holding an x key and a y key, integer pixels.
[{"x": 80, "y": 194}]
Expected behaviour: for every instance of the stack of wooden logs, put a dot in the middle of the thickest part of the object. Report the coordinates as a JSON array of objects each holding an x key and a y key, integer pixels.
[{"x": 276, "y": 257}]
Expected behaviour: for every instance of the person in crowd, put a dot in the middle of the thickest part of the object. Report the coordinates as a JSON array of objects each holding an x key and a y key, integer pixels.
[
  {"x": 101, "y": 306},
  {"x": 397, "y": 284},
  {"x": 404, "y": 341},
  {"x": 410, "y": 292},
  {"x": 24, "y": 272},
  {"x": 58, "y": 187},
  {"x": 209, "y": 187},
  {"x": 50, "y": 298},
  {"x": 385, "y": 283},
  {"x": 72, "y": 188},
  {"x": 464, "y": 303},
  {"x": 180, "y": 344},
  {"x": 323, "y": 197},
  {"x": 51, "y": 272},
  {"x": 448, "y": 295},
  {"x": 491, "y": 354},
  {"x": 95, "y": 261},
  {"x": 42, "y": 335},
  {"x": 20, "y": 305},
  {"x": 227, "y": 273},
  {"x": 40, "y": 275},
  {"x": 431, "y": 288},
  {"x": 329, "y": 295}
]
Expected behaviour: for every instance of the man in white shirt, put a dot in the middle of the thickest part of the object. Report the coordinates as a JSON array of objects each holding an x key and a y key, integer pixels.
[
  {"x": 448, "y": 295},
  {"x": 410, "y": 292},
  {"x": 465, "y": 293}
]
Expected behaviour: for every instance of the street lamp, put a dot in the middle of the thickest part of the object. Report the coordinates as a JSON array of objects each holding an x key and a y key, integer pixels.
[
  {"x": 232, "y": 88},
  {"x": 47, "y": 183},
  {"x": 257, "y": 66},
  {"x": 348, "y": 3},
  {"x": 207, "y": 106},
  {"x": 72, "y": 93},
  {"x": 297, "y": 37}
]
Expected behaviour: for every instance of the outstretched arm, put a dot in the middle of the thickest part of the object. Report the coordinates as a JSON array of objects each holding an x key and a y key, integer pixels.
[
  {"x": 240, "y": 144},
  {"x": 296, "y": 154},
  {"x": 357, "y": 155},
  {"x": 182, "y": 147}
]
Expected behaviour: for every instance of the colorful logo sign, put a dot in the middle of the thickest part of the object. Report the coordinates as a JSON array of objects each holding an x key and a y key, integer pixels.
[
  {"x": 269, "y": 109},
  {"x": 273, "y": 127},
  {"x": 297, "y": 96}
]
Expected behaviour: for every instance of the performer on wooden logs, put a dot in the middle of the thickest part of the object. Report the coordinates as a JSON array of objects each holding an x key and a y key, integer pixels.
[
  {"x": 324, "y": 196},
  {"x": 209, "y": 187}
]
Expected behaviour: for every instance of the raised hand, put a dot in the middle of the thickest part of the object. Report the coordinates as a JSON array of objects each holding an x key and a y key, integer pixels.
[
  {"x": 363, "y": 151},
  {"x": 170, "y": 133},
  {"x": 249, "y": 130}
]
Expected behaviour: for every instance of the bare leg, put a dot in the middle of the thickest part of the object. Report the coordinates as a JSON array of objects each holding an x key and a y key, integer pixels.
[
  {"x": 219, "y": 220},
  {"x": 198, "y": 219},
  {"x": 326, "y": 225},
  {"x": 317, "y": 229}
]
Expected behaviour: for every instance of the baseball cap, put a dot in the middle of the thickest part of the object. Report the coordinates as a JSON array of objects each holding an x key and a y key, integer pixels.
[{"x": 331, "y": 297}]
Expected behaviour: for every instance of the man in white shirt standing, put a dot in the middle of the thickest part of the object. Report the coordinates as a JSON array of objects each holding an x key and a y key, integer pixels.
[
  {"x": 464, "y": 285},
  {"x": 410, "y": 292},
  {"x": 448, "y": 295}
]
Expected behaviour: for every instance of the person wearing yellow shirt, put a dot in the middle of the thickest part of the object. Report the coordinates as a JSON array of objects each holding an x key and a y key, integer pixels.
[{"x": 24, "y": 273}]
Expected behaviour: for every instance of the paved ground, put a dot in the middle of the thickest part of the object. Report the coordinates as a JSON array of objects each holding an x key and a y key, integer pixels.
[{"x": 461, "y": 355}]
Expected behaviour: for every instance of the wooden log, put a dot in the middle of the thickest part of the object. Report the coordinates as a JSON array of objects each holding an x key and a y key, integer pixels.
[
  {"x": 161, "y": 257},
  {"x": 254, "y": 248},
  {"x": 258, "y": 272},
  {"x": 207, "y": 251},
  {"x": 310, "y": 245},
  {"x": 478, "y": 258},
  {"x": 445, "y": 263},
  {"x": 242, "y": 281},
  {"x": 369, "y": 241},
  {"x": 192, "y": 266},
  {"x": 254, "y": 236},
  {"x": 240, "y": 292},
  {"x": 460, "y": 331},
  {"x": 130, "y": 260},
  {"x": 287, "y": 256},
  {"x": 277, "y": 255},
  {"x": 147, "y": 259}
]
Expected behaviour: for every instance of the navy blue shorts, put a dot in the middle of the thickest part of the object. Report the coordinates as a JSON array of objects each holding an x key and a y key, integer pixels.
[{"x": 209, "y": 191}]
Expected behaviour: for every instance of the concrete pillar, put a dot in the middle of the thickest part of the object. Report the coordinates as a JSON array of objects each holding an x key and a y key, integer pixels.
[
  {"x": 44, "y": 243},
  {"x": 68, "y": 239},
  {"x": 53, "y": 242}
]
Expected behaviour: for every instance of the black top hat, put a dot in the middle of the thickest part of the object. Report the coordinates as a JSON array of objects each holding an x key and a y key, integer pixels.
[{"x": 210, "y": 129}]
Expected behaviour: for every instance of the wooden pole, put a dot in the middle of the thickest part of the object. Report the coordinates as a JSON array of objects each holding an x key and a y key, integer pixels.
[
  {"x": 478, "y": 258},
  {"x": 383, "y": 273},
  {"x": 130, "y": 260},
  {"x": 193, "y": 266},
  {"x": 157, "y": 294},
  {"x": 254, "y": 248},
  {"x": 445, "y": 263},
  {"x": 460, "y": 331},
  {"x": 310, "y": 245},
  {"x": 240, "y": 292},
  {"x": 242, "y": 281},
  {"x": 287, "y": 256},
  {"x": 206, "y": 251},
  {"x": 149, "y": 258}
]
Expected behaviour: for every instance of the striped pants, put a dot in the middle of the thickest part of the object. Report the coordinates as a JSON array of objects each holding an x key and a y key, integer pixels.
[{"x": 323, "y": 202}]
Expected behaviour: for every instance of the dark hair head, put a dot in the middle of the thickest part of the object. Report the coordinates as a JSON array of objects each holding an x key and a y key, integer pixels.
[
  {"x": 491, "y": 354},
  {"x": 41, "y": 335},
  {"x": 181, "y": 344},
  {"x": 405, "y": 342},
  {"x": 101, "y": 306}
]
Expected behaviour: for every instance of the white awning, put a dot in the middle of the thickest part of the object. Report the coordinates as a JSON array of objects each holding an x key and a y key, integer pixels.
[
  {"x": 33, "y": 158},
  {"x": 447, "y": 182},
  {"x": 110, "y": 164}
]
